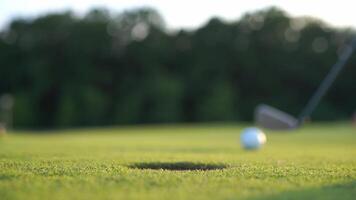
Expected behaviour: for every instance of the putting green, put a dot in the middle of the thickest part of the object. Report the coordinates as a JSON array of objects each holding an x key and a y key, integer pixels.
[{"x": 178, "y": 162}]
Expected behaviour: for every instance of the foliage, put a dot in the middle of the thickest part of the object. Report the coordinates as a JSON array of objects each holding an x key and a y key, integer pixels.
[{"x": 127, "y": 68}]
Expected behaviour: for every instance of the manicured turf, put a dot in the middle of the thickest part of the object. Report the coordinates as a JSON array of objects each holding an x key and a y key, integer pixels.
[{"x": 178, "y": 162}]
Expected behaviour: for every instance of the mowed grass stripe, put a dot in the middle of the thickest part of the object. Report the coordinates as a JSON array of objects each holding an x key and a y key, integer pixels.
[{"x": 178, "y": 162}]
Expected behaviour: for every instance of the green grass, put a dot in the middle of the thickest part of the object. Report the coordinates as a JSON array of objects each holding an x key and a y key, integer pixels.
[{"x": 178, "y": 162}]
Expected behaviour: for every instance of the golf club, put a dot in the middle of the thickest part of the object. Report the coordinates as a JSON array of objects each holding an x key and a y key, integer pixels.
[{"x": 272, "y": 118}]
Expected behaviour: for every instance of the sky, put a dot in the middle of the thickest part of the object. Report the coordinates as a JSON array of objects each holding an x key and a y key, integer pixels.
[{"x": 187, "y": 14}]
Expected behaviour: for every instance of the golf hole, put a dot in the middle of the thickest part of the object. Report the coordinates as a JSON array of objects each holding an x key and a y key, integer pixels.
[{"x": 178, "y": 166}]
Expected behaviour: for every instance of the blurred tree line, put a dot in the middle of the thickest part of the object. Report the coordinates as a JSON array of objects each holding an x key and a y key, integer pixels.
[{"x": 128, "y": 68}]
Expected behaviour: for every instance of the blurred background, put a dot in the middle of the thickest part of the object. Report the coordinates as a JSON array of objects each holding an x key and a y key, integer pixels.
[{"x": 95, "y": 63}]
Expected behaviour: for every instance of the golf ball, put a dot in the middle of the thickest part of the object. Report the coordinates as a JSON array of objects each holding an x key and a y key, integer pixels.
[{"x": 252, "y": 138}]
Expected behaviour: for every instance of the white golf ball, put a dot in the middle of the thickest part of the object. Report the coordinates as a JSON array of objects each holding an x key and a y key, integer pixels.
[{"x": 252, "y": 138}]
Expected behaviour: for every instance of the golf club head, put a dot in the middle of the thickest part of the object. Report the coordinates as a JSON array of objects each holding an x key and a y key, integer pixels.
[{"x": 272, "y": 118}]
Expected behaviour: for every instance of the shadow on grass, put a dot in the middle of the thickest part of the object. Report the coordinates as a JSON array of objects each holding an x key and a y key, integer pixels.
[
  {"x": 340, "y": 191},
  {"x": 177, "y": 166},
  {"x": 4, "y": 177}
]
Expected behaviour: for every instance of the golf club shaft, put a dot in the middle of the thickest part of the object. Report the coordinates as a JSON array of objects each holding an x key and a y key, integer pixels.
[{"x": 327, "y": 82}]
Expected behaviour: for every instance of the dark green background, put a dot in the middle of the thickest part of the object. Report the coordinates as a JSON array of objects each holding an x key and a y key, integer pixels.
[{"x": 64, "y": 70}]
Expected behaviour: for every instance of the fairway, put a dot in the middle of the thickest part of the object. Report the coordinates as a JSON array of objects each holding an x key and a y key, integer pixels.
[{"x": 178, "y": 162}]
